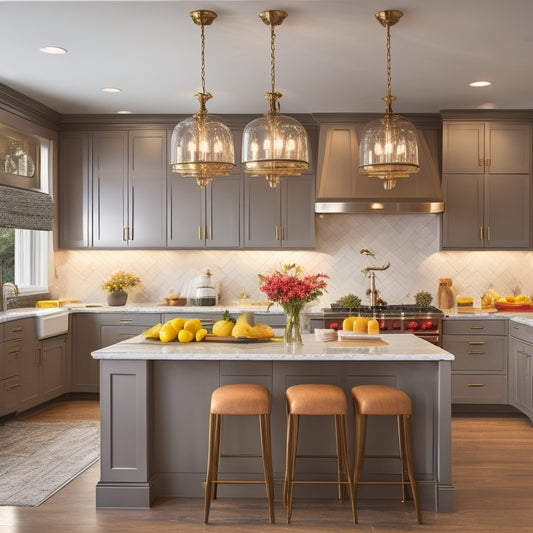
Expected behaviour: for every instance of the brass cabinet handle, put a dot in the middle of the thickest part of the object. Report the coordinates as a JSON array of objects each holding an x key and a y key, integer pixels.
[
  {"x": 481, "y": 162},
  {"x": 125, "y": 320},
  {"x": 15, "y": 349},
  {"x": 39, "y": 356},
  {"x": 477, "y": 327},
  {"x": 488, "y": 233},
  {"x": 15, "y": 386},
  {"x": 16, "y": 329},
  {"x": 277, "y": 233},
  {"x": 124, "y": 233},
  {"x": 475, "y": 384},
  {"x": 475, "y": 352},
  {"x": 206, "y": 233},
  {"x": 481, "y": 232},
  {"x": 476, "y": 343}
]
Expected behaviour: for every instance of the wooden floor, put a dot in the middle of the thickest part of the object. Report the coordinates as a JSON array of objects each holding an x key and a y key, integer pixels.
[{"x": 492, "y": 472}]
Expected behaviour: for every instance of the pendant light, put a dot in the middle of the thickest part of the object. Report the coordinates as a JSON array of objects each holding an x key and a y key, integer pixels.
[
  {"x": 274, "y": 145},
  {"x": 389, "y": 147},
  {"x": 202, "y": 145}
]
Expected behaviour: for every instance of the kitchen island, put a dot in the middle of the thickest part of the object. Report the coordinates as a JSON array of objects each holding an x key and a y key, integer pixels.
[{"x": 155, "y": 406}]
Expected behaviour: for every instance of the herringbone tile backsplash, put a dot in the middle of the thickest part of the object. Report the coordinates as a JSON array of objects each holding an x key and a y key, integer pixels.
[{"x": 409, "y": 242}]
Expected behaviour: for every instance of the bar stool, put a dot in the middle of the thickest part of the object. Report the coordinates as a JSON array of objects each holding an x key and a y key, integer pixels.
[
  {"x": 317, "y": 399},
  {"x": 239, "y": 399},
  {"x": 384, "y": 400}
]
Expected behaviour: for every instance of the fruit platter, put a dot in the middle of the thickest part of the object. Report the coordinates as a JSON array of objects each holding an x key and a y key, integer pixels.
[{"x": 514, "y": 303}]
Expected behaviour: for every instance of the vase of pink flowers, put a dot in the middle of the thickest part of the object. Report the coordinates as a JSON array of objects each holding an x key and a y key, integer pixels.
[{"x": 292, "y": 290}]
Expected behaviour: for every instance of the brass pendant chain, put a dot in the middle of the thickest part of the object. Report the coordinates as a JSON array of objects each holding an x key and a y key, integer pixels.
[
  {"x": 273, "y": 57},
  {"x": 389, "y": 98},
  {"x": 202, "y": 71}
]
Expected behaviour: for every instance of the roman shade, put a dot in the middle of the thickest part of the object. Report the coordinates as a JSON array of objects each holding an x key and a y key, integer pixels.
[{"x": 25, "y": 209}]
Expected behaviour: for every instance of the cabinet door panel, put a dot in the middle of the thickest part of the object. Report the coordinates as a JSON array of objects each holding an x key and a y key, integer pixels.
[
  {"x": 298, "y": 212},
  {"x": 185, "y": 213},
  {"x": 261, "y": 217},
  {"x": 85, "y": 371},
  {"x": 508, "y": 148},
  {"x": 463, "y": 211},
  {"x": 507, "y": 211},
  {"x": 463, "y": 148},
  {"x": 53, "y": 368},
  {"x": 75, "y": 217},
  {"x": 110, "y": 151},
  {"x": 223, "y": 212},
  {"x": 147, "y": 187}
]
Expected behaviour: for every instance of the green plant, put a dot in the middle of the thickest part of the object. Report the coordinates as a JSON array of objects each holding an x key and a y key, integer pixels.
[
  {"x": 423, "y": 299},
  {"x": 121, "y": 280},
  {"x": 350, "y": 301}
]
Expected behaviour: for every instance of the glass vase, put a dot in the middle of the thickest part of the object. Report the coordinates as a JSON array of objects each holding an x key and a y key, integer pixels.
[{"x": 292, "y": 337}]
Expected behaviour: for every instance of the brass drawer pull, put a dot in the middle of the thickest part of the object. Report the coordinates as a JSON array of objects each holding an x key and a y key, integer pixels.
[
  {"x": 476, "y": 352},
  {"x": 477, "y": 327},
  {"x": 125, "y": 320},
  {"x": 476, "y": 343},
  {"x": 15, "y": 386},
  {"x": 14, "y": 349},
  {"x": 16, "y": 329},
  {"x": 475, "y": 384}
]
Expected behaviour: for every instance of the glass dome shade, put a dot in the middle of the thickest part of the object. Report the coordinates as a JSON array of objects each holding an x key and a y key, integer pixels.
[
  {"x": 389, "y": 148},
  {"x": 202, "y": 147},
  {"x": 275, "y": 144}
]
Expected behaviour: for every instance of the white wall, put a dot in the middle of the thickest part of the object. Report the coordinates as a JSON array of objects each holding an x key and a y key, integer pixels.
[{"x": 409, "y": 242}]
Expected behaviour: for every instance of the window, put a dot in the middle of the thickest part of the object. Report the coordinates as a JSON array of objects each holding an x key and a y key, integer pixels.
[{"x": 24, "y": 253}]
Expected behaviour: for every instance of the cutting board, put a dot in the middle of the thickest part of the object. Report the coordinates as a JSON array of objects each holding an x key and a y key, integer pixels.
[
  {"x": 234, "y": 340},
  {"x": 476, "y": 310},
  {"x": 358, "y": 343}
]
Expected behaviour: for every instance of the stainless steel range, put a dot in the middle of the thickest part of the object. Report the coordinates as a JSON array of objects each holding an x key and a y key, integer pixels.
[{"x": 424, "y": 322}]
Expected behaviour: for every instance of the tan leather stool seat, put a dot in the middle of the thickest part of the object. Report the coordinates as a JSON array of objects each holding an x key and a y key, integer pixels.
[
  {"x": 381, "y": 400},
  {"x": 239, "y": 399},
  {"x": 316, "y": 399},
  {"x": 321, "y": 400},
  {"x": 384, "y": 400}
]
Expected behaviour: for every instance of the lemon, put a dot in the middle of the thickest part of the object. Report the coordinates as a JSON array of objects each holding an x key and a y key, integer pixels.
[
  {"x": 200, "y": 334},
  {"x": 192, "y": 325},
  {"x": 347, "y": 323},
  {"x": 153, "y": 332},
  {"x": 177, "y": 323},
  {"x": 185, "y": 335},
  {"x": 360, "y": 324},
  {"x": 167, "y": 333},
  {"x": 373, "y": 327}
]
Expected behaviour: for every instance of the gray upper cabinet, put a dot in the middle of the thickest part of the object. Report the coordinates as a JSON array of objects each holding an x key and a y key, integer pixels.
[
  {"x": 112, "y": 189},
  {"x": 129, "y": 189},
  {"x": 75, "y": 217},
  {"x": 283, "y": 217},
  {"x": 486, "y": 178},
  {"x": 207, "y": 217}
]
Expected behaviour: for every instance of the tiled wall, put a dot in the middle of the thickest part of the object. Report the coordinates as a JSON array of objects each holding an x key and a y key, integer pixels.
[{"x": 409, "y": 242}]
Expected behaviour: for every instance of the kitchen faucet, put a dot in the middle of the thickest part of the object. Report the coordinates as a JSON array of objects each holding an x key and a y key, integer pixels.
[
  {"x": 12, "y": 287},
  {"x": 369, "y": 271}
]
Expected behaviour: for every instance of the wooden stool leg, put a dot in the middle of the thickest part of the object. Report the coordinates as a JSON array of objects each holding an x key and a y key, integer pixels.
[
  {"x": 360, "y": 424},
  {"x": 266, "y": 452},
  {"x": 216, "y": 454},
  {"x": 403, "y": 458},
  {"x": 340, "y": 422},
  {"x": 211, "y": 460},
  {"x": 408, "y": 435},
  {"x": 293, "y": 428},
  {"x": 287, "y": 461},
  {"x": 341, "y": 489}
]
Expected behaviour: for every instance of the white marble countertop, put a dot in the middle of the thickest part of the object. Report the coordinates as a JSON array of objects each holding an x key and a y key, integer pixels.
[{"x": 398, "y": 348}]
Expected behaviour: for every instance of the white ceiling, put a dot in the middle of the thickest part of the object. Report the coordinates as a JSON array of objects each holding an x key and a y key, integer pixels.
[{"x": 330, "y": 55}]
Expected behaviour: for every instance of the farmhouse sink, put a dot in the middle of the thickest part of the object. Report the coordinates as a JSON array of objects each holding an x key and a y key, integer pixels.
[{"x": 50, "y": 323}]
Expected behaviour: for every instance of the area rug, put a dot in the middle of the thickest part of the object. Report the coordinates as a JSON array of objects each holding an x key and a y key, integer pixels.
[{"x": 38, "y": 459}]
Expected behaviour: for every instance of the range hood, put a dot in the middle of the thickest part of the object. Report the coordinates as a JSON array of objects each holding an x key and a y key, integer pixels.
[{"x": 342, "y": 188}]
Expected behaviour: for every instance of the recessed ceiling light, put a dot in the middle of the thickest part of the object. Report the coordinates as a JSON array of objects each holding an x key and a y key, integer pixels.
[
  {"x": 480, "y": 83},
  {"x": 110, "y": 90},
  {"x": 124, "y": 112},
  {"x": 56, "y": 50}
]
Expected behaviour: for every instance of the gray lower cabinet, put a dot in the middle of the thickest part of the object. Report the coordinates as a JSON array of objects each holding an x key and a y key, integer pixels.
[
  {"x": 9, "y": 373},
  {"x": 283, "y": 217},
  {"x": 479, "y": 371},
  {"x": 116, "y": 327},
  {"x": 42, "y": 363},
  {"x": 208, "y": 217},
  {"x": 520, "y": 368},
  {"x": 85, "y": 338}
]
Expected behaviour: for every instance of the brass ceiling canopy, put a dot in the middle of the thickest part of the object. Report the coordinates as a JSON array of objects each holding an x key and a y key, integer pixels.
[
  {"x": 274, "y": 145},
  {"x": 389, "y": 147},
  {"x": 202, "y": 145}
]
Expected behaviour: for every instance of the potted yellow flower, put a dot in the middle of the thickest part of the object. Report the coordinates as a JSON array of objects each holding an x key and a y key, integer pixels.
[{"x": 116, "y": 286}]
